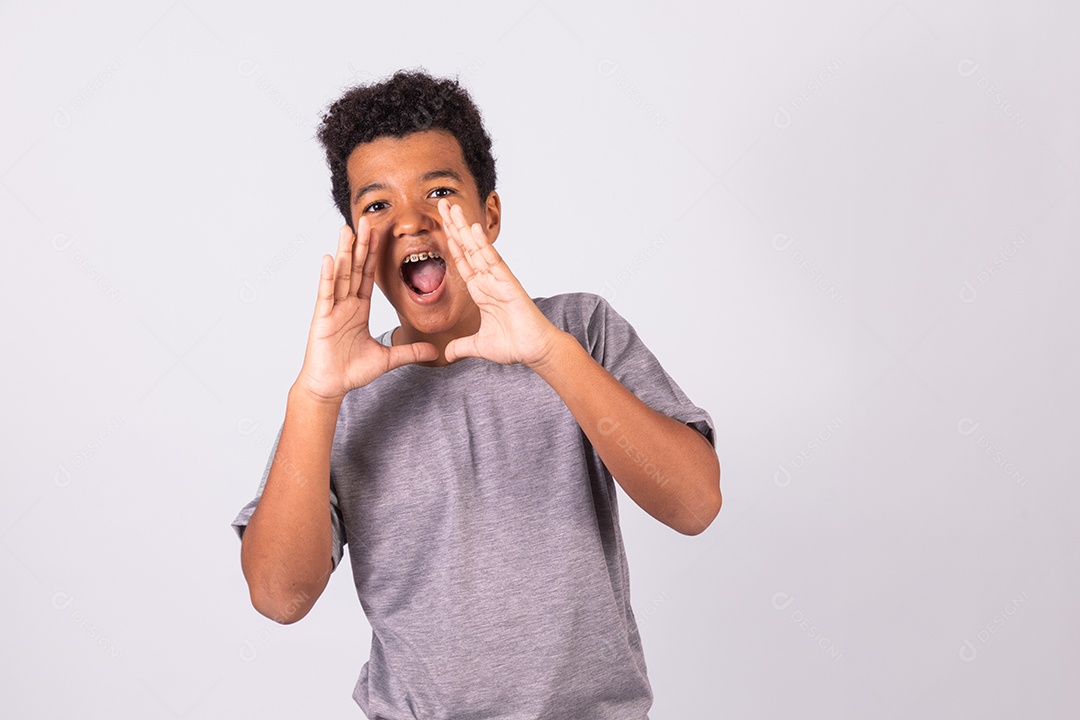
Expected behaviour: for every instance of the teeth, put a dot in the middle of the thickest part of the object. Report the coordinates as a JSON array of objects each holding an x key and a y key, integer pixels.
[{"x": 421, "y": 256}]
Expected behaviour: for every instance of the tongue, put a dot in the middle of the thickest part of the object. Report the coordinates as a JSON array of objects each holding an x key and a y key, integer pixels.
[{"x": 426, "y": 275}]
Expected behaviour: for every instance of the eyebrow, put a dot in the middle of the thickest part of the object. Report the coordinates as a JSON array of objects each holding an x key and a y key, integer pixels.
[{"x": 427, "y": 177}]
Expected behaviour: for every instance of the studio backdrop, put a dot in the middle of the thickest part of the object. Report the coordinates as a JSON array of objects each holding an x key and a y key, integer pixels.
[{"x": 847, "y": 230}]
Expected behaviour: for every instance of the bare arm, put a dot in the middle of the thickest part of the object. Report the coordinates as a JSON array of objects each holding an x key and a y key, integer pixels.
[
  {"x": 286, "y": 548},
  {"x": 669, "y": 469}
]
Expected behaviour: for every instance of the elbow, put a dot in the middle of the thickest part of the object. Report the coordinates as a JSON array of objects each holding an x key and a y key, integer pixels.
[
  {"x": 276, "y": 593},
  {"x": 706, "y": 510},
  {"x": 283, "y": 601},
  {"x": 283, "y": 610},
  {"x": 700, "y": 521}
]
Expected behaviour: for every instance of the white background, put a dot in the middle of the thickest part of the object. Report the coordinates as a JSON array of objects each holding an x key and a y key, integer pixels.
[{"x": 847, "y": 229}]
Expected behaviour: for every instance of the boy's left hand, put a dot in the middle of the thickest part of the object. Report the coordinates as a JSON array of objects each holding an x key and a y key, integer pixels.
[{"x": 512, "y": 328}]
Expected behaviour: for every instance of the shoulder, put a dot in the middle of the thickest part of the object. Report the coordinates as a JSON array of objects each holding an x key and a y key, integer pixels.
[
  {"x": 569, "y": 310},
  {"x": 587, "y": 316}
]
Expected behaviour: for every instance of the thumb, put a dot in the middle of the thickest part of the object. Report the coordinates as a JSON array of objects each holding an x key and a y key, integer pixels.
[
  {"x": 461, "y": 347},
  {"x": 412, "y": 353}
]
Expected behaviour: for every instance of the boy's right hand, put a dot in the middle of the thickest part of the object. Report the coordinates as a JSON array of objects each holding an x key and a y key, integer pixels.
[{"x": 341, "y": 353}]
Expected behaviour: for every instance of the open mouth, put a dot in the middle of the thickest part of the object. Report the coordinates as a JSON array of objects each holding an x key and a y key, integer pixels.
[{"x": 423, "y": 273}]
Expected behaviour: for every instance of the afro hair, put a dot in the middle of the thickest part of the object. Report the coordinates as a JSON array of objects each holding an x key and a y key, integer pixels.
[{"x": 409, "y": 101}]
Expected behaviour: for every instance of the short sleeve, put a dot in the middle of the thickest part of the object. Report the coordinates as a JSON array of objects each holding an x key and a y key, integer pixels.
[
  {"x": 241, "y": 521},
  {"x": 613, "y": 342}
]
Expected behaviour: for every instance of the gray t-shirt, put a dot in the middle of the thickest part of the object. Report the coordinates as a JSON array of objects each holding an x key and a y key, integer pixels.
[{"x": 484, "y": 535}]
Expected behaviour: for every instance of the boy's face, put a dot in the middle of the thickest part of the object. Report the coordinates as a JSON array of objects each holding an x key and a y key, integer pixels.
[{"x": 397, "y": 183}]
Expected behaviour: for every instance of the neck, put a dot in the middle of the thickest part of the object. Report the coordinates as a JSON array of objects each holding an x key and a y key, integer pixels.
[{"x": 468, "y": 324}]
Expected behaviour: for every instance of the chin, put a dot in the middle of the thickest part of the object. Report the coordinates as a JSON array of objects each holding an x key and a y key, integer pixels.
[
  {"x": 429, "y": 325},
  {"x": 428, "y": 320}
]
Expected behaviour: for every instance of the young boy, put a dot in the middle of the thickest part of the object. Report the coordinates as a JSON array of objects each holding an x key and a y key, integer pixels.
[{"x": 468, "y": 456}]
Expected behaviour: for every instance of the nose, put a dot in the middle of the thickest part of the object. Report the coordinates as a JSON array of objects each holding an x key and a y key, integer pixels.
[{"x": 415, "y": 217}]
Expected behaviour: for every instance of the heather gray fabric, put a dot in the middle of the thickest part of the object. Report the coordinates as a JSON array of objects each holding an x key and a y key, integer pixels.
[{"x": 484, "y": 535}]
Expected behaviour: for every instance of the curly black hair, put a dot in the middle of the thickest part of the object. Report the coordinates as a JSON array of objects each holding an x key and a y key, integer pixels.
[{"x": 409, "y": 101}]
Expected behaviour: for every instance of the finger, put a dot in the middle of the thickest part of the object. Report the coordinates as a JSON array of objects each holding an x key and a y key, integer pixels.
[
  {"x": 448, "y": 223},
  {"x": 343, "y": 264},
  {"x": 464, "y": 268},
  {"x": 412, "y": 353},
  {"x": 453, "y": 237},
  {"x": 487, "y": 250},
  {"x": 371, "y": 264},
  {"x": 444, "y": 210},
  {"x": 361, "y": 254},
  {"x": 325, "y": 301},
  {"x": 463, "y": 233},
  {"x": 460, "y": 348},
  {"x": 357, "y": 267},
  {"x": 477, "y": 247}
]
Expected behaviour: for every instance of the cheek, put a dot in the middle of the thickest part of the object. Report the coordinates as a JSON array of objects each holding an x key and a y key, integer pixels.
[
  {"x": 386, "y": 275},
  {"x": 384, "y": 271},
  {"x": 380, "y": 278}
]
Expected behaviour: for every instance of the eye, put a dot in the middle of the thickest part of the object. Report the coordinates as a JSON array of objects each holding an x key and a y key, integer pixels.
[
  {"x": 441, "y": 189},
  {"x": 377, "y": 202}
]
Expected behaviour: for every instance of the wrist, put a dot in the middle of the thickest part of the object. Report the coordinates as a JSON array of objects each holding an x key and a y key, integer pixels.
[
  {"x": 300, "y": 393},
  {"x": 559, "y": 344}
]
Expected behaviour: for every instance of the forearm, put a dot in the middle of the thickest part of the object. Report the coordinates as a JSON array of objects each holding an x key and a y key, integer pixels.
[
  {"x": 669, "y": 469},
  {"x": 286, "y": 549}
]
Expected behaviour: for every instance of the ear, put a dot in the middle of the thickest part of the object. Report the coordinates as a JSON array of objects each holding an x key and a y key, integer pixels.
[{"x": 492, "y": 216}]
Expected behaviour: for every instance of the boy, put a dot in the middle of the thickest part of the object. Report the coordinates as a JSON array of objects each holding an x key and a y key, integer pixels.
[{"x": 467, "y": 457}]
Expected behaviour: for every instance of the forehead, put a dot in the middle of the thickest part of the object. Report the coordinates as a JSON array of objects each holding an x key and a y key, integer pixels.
[{"x": 402, "y": 160}]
